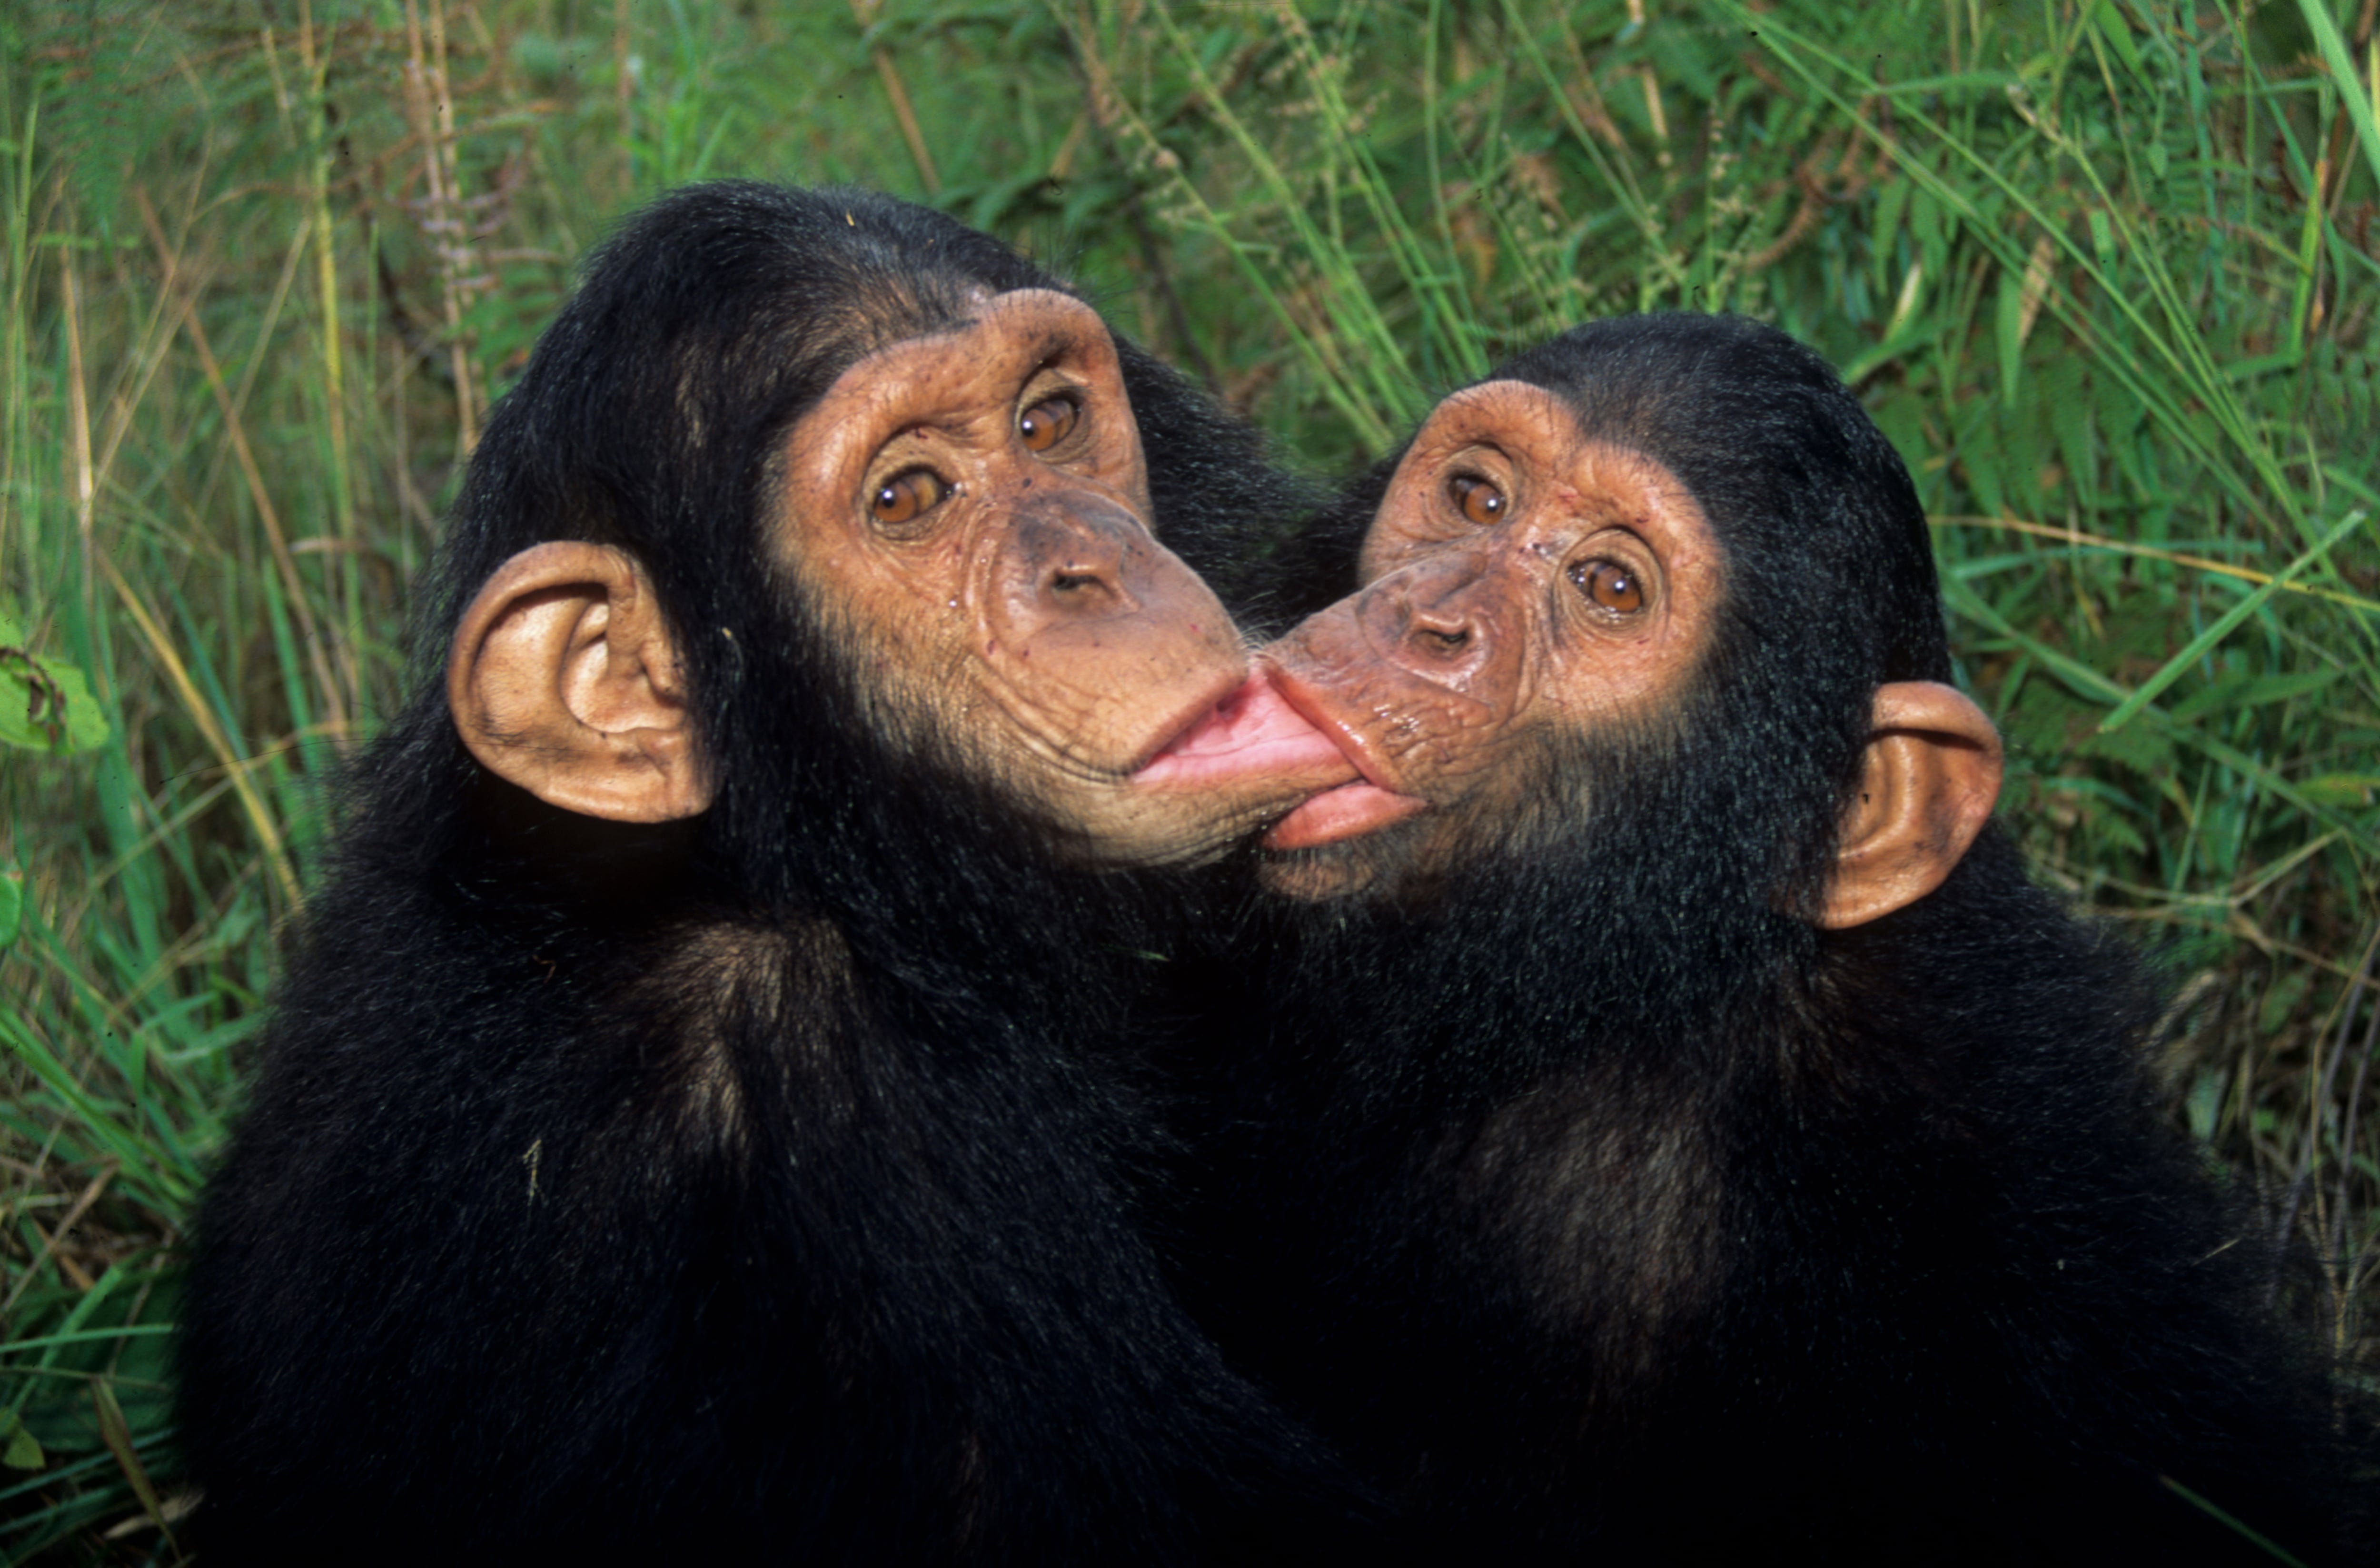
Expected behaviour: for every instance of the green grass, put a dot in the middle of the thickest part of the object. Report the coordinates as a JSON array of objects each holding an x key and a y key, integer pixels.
[{"x": 2104, "y": 272}]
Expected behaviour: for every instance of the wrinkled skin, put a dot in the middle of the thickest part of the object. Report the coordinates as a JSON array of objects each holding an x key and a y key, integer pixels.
[
  {"x": 1018, "y": 597},
  {"x": 1521, "y": 581}
]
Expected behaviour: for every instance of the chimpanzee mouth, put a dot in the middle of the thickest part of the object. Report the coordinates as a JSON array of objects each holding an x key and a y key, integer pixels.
[
  {"x": 1361, "y": 805},
  {"x": 1349, "y": 811},
  {"x": 1249, "y": 731}
]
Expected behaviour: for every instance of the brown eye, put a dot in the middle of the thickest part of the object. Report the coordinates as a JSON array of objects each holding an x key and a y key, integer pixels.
[
  {"x": 1609, "y": 586},
  {"x": 1046, "y": 423},
  {"x": 1479, "y": 500},
  {"x": 904, "y": 496}
]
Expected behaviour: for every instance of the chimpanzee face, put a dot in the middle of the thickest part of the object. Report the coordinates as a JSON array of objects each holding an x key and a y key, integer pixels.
[
  {"x": 970, "y": 505},
  {"x": 964, "y": 514},
  {"x": 1523, "y": 584},
  {"x": 1532, "y": 657}
]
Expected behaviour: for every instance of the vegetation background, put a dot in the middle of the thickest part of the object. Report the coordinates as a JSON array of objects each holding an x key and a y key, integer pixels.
[{"x": 2104, "y": 269}]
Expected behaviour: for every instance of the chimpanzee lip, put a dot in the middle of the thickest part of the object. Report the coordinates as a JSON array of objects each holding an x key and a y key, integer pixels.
[
  {"x": 1316, "y": 709},
  {"x": 1348, "y": 810},
  {"x": 1351, "y": 810},
  {"x": 1246, "y": 730}
]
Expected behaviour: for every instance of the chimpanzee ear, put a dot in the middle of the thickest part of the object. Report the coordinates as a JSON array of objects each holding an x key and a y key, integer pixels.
[
  {"x": 562, "y": 680},
  {"x": 1933, "y": 771}
]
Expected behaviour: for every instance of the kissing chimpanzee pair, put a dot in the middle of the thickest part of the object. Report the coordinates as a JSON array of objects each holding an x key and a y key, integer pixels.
[{"x": 714, "y": 1107}]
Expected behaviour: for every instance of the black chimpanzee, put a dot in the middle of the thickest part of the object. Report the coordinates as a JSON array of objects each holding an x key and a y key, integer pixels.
[
  {"x": 1669, "y": 1125},
  {"x": 685, "y": 1132}
]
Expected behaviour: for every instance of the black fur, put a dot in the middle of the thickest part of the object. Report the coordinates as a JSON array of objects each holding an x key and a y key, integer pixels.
[
  {"x": 757, "y": 1188},
  {"x": 1603, "y": 1207}
]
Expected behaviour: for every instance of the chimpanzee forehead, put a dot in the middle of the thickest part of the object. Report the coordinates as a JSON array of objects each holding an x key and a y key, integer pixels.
[
  {"x": 1536, "y": 425},
  {"x": 1003, "y": 337},
  {"x": 963, "y": 381},
  {"x": 1559, "y": 477},
  {"x": 1519, "y": 417}
]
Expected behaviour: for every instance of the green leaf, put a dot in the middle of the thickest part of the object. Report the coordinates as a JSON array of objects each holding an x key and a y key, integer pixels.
[
  {"x": 2009, "y": 330},
  {"x": 1926, "y": 227},
  {"x": 2342, "y": 789},
  {"x": 2281, "y": 1000},
  {"x": 2206, "y": 1103},
  {"x": 2264, "y": 365},
  {"x": 2108, "y": 22},
  {"x": 2238, "y": 692},
  {"x": 12, "y": 905},
  {"x": 2065, "y": 404},
  {"x": 1900, "y": 345},
  {"x": 2106, "y": 827},
  {"x": 2144, "y": 750},
  {"x": 24, "y": 1450},
  {"x": 44, "y": 705}
]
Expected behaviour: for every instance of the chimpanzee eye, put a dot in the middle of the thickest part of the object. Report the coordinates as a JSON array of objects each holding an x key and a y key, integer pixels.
[
  {"x": 1048, "y": 422},
  {"x": 1479, "y": 500},
  {"x": 905, "y": 495},
  {"x": 1609, "y": 586}
]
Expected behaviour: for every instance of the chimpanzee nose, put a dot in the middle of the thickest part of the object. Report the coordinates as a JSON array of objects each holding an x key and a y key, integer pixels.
[
  {"x": 1434, "y": 607},
  {"x": 1077, "y": 557}
]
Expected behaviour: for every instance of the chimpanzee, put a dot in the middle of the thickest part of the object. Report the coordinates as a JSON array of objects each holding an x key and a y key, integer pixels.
[
  {"x": 1659, "y": 1120},
  {"x": 685, "y": 1130}
]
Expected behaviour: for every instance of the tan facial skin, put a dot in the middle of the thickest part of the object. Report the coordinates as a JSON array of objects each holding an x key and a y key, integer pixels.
[
  {"x": 971, "y": 509},
  {"x": 1523, "y": 578}
]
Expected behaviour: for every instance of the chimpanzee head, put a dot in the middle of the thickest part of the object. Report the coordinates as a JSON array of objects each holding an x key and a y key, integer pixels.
[
  {"x": 1651, "y": 611},
  {"x": 800, "y": 474}
]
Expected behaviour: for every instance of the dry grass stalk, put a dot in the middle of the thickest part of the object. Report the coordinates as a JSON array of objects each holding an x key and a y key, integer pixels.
[
  {"x": 429, "y": 109},
  {"x": 896, "y": 93}
]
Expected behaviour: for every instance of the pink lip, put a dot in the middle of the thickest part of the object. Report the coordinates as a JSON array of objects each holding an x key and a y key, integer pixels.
[
  {"x": 1349, "y": 811},
  {"x": 1363, "y": 805},
  {"x": 1251, "y": 731}
]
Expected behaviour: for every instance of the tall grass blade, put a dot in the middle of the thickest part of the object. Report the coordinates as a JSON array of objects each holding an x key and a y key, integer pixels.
[
  {"x": 2364, "y": 112},
  {"x": 2192, "y": 651}
]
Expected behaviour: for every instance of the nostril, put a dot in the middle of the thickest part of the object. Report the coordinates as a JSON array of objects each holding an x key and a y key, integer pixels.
[
  {"x": 1077, "y": 591},
  {"x": 1074, "y": 562},
  {"x": 1445, "y": 642}
]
